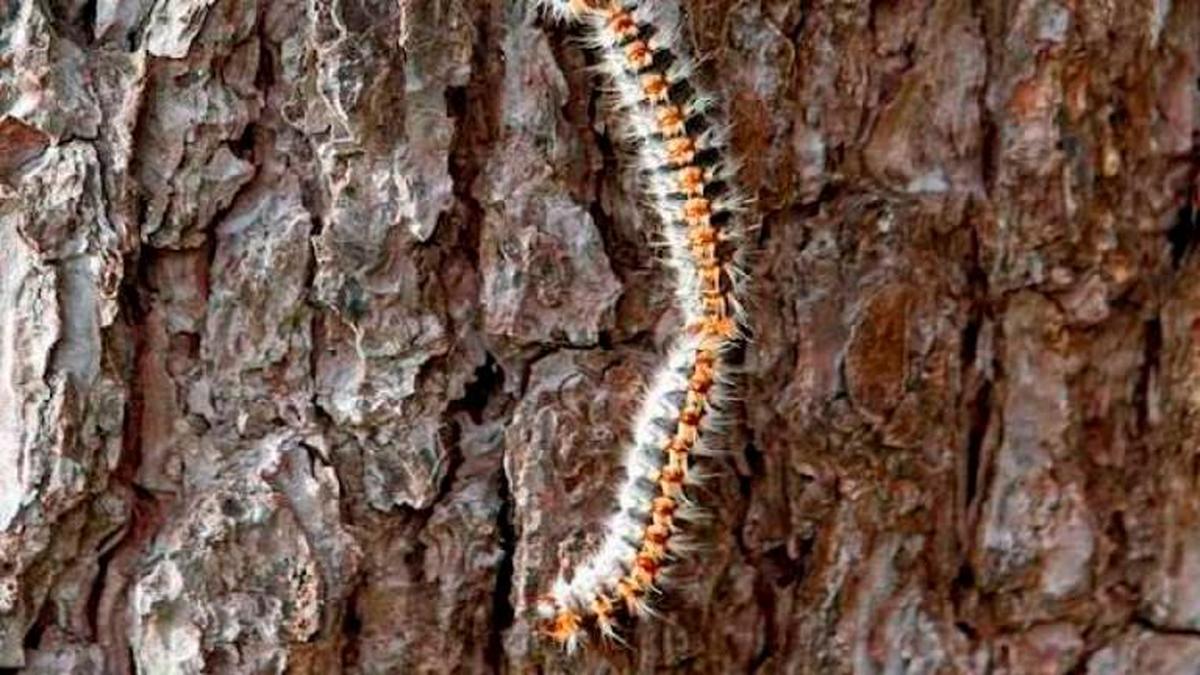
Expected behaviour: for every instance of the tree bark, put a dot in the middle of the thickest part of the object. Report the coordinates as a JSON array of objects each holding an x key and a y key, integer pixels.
[{"x": 321, "y": 325}]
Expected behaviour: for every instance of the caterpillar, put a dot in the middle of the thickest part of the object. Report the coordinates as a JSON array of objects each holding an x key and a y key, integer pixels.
[{"x": 689, "y": 181}]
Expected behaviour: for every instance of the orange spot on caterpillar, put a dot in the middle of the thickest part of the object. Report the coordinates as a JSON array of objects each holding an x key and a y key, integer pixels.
[
  {"x": 705, "y": 255},
  {"x": 687, "y": 432},
  {"x": 714, "y": 306},
  {"x": 694, "y": 404},
  {"x": 656, "y": 552},
  {"x": 723, "y": 328},
  {"x": 641, "y": 576},
  {"x": 657, "y": 534},
  {"x": 659, "y": 531},
  {"x": 631, "y": 594},
  {"x": 565, "y": 628},
  {"x": 670, "y": 120},
  {"x": 704, "y": 234},
  {"x": 701, "y": 380},
  {"x": 673, "y": 488},
  {"x": 715, "y": 330},
  {"x": 602, "y": 608},
  {"x": 638, "y": 55},
  {"x": 666, "y": 521},
  {"x": 654, "y": 87},
  {"x": 585, "y": 6},
  {"x": 696, "y": 211},
  {"x": 621, "y": 23},
  {"x": 670, "y": 482},
  {"x": 649, "y": 566},
  {"x": 691, "y": 180},
  {"x": 602, "y": 604},
  {"x": 678, "y": 447},
  {"x": 681, "y": 151},
  {"x": 710, "y": 280},
  {"x": 677, "y": 461}
]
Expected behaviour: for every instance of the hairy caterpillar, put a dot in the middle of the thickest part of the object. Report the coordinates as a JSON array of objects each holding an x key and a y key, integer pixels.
[{"x": 688, "y": 176}]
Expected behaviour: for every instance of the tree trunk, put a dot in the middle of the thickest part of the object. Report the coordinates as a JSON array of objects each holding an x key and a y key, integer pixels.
[{"x": 321, "y": 326}]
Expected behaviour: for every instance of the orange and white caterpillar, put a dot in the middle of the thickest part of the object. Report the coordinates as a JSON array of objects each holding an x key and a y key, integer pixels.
[{"x": 688, "y": 177}]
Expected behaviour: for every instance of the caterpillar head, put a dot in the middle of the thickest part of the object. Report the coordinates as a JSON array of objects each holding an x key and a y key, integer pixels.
[
  {"x": 561, "y": 624},
  {"x": 571, "y": 9}
]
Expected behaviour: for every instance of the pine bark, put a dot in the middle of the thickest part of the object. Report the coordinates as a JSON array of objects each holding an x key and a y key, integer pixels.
[{"x": 322, "y": 323}]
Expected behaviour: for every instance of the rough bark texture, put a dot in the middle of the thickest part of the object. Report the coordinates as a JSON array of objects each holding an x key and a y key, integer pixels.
[{"x": 321, "y": 324}]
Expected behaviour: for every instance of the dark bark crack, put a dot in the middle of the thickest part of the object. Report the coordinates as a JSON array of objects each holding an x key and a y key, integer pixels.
[
  {"x": 503, "y": 611},
  {"x": 1152, "y": 356},
  {"x": 1184, "y": 232}
]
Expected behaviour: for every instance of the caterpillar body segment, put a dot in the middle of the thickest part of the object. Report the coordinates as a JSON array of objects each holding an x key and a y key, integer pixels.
[{"x": 690, "y": 181}]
